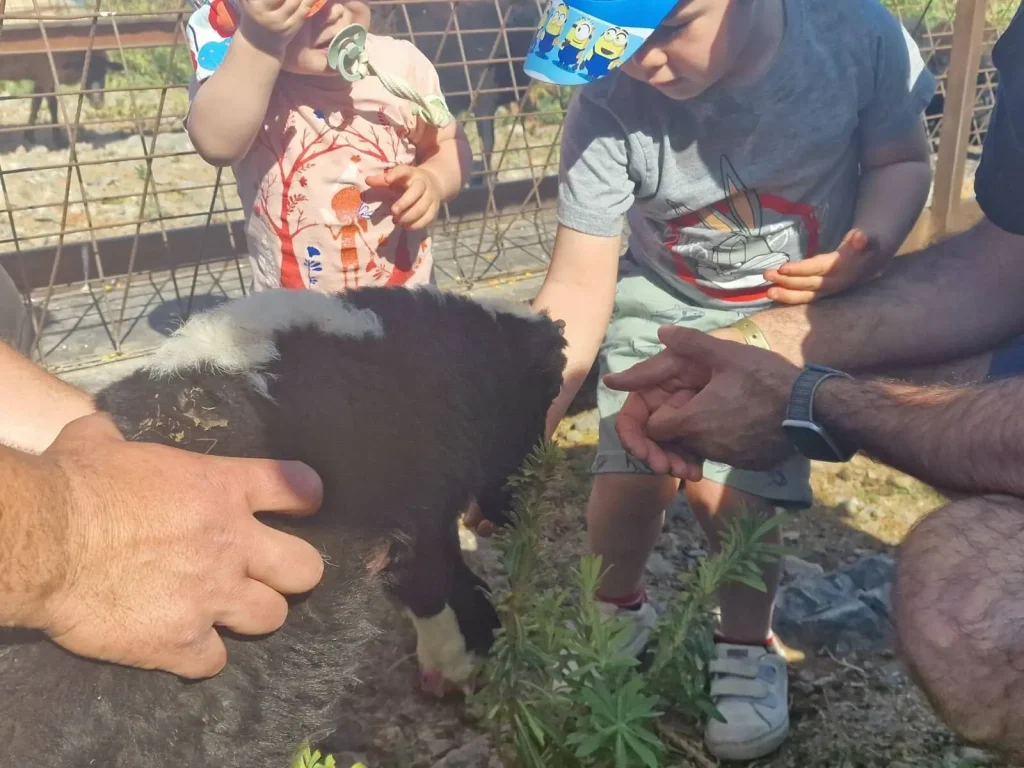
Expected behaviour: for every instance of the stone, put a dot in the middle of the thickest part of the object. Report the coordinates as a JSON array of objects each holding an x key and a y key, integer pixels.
[
  {"x": 846, "y": 628},
  {"x": 796, "y": 569},
  {"x": 660, "y": 567},
  {"x": 848, "y": 611},
  {"x": 472, "y": 754},
  {"x": 879, "y": 600},
  {"x": 872, "y": 572},
  {"x": 976, "y": 756}
]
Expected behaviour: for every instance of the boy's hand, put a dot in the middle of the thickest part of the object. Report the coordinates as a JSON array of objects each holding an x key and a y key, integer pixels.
[
  {"x": 801, "y": 282},
  {"x": 420, "y": 198},
  {"x": 271, "y": 24}
]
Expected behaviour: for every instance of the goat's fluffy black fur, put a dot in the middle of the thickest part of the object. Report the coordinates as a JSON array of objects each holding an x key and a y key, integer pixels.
[{"x": 404, "y": 430}]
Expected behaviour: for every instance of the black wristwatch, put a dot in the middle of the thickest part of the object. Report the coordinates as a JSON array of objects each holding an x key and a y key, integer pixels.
[{"x": 810, "y": 437}]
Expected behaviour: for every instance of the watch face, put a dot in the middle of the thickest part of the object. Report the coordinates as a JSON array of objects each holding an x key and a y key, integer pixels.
[{"x": 811, "y": 443}]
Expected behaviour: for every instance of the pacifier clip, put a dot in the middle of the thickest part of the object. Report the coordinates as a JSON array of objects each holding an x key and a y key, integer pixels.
[{"x": 347, "y": 55}]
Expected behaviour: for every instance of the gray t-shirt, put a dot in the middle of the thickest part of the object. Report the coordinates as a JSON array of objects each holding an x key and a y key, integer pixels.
[{"x": 741, "y": 179}]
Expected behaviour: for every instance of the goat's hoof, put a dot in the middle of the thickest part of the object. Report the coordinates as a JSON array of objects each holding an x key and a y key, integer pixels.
[{"x": 434, "y": 683}]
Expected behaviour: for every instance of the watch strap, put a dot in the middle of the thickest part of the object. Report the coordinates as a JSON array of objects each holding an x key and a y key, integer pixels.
[{"x": 801, "y": 400}]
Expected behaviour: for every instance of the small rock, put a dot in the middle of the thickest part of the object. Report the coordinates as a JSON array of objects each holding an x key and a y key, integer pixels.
[
  {"x": 438, "y": 747},
  {"x": 879, "y": 600},
  {"x": 796, "y": 569},
  {"x": 472, "y": 754},
  {"x": 872, "y": 572},
  {"x": 790, "y": 537},
  {"x": 659, "y": 566},
  {"x": 976, "y": 756}
]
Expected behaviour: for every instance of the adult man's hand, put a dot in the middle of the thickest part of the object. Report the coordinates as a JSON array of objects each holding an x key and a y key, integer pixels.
[
  {"x": 160, "y": 546},
  {"x": 705, "y": 398}
]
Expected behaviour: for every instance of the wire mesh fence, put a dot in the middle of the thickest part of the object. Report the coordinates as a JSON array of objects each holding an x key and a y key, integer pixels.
[{"x": 114, "y": 228}]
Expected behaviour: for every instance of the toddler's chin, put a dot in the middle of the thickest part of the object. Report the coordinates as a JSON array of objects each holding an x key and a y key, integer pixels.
[{"x": 311, "y": 62}]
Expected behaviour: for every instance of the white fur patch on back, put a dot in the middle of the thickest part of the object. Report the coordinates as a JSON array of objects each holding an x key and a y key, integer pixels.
[
  {"x": 238, "y": 337},
  {"x": 441, "y": 646}
]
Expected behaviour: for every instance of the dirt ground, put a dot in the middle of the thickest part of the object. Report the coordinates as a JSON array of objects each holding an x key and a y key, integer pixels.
[{"x": 846, "y": 712}]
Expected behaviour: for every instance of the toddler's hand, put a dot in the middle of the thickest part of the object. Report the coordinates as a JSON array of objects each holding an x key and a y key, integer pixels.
[
  {"x": 271, "y": 24},
  {"x": 801, "y": 282},
  {"x": 420, "y": 198}
]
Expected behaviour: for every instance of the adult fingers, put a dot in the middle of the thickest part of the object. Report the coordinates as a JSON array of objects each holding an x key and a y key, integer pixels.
[
  {"x": 203, "y": 658},
  {"x": 700, "y": 351},
  {"x": 288, "y": 487},
  {"x": 675, "y": 424},
  {"x": 284, "y": 562},
  {"x": 256, "y": 609},
  {"x": 630, "y": 423}
]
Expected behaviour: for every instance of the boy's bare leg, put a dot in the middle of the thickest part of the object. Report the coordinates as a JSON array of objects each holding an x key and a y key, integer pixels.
[
  {"x": 746, "y": 612},
  {"x": 624, "y": 517}
]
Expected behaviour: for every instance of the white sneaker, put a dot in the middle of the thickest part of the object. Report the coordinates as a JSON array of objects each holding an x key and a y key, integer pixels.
[
  {"x": 643, "y": 620},
  {"x": 750, "y": 688}
]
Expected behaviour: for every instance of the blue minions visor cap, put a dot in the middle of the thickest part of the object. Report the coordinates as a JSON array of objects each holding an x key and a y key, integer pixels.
[{"x": 584, "y": 40}]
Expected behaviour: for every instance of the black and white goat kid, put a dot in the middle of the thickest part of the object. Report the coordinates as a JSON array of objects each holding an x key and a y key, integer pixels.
[{"x": 408, "y": 403}]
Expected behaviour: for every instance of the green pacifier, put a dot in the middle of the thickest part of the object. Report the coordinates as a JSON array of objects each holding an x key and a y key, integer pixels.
[
  {"x": 347, "y": 56},
  {"x": 347, "y": 53}
]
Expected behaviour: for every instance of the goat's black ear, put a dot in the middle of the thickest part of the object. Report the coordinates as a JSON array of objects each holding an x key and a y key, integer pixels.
[{"x": 560, "y": 325}]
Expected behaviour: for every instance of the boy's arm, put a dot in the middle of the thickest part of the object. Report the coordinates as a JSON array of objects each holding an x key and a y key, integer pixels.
[
  {"x": 579, "y": 289},
  {"x": 229, "y": 107},
  {"x": 893, "y": 189},
  {"x": 894, "y": 185}
]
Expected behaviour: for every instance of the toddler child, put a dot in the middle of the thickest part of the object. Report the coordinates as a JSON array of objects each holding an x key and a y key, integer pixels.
[
  {"x": 338, "y": 180},
  {"x": 760, "y": 150}
]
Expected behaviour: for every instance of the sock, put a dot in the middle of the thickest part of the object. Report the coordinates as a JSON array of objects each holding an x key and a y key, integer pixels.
[
  {"x": 631, "y": 602},
  {"x": 720, "y": 638}
]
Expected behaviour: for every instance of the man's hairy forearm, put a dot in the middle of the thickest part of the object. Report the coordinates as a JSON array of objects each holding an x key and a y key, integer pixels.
[
  {"x": 957, "y": 298},
  {"x": 37, "y": 405},
  {"x": 32, "y": 522},
  {"x": 968, "y": 439}
]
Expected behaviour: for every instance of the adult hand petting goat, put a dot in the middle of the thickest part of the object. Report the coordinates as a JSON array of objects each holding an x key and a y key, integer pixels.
[{"x": 136, "y": 553}]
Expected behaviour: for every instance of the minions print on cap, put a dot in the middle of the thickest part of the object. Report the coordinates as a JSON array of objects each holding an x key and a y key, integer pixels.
[{"x": 578, "y": 43}]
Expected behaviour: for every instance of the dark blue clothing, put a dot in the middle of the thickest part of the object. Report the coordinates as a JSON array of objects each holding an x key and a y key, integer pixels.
[
  {"x": 546, "y": 43},
  {"x": 999, "y": 181},
  {"x": 597, "y": 66},
  {"x": 567, "y": 56}
]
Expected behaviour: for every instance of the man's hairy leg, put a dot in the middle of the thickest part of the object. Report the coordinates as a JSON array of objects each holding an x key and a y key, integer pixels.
[
  {"x": 960, "y": 617},
  {"x": 962, "y": 372}
]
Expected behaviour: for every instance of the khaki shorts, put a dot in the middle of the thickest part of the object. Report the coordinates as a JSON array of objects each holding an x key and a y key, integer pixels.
[{"x": 642, "y": 305}]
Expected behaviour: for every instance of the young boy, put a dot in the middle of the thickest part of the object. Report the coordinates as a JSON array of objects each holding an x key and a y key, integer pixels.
[
  {"x": 760, "y": 150},
  {"x": 338, "y": 180}
]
